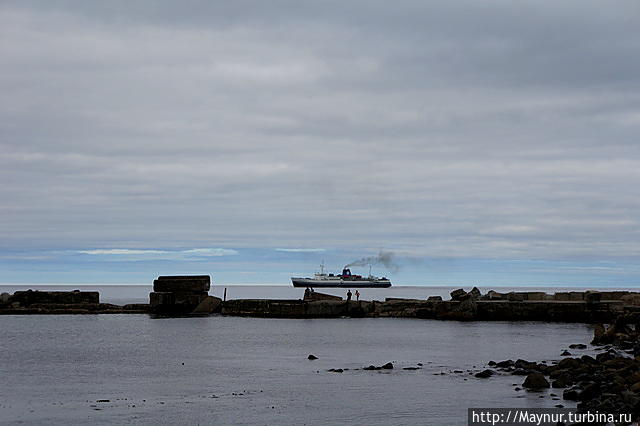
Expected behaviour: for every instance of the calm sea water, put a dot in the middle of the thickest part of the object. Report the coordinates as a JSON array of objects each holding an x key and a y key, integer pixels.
[{"x": 226, "y": 370}]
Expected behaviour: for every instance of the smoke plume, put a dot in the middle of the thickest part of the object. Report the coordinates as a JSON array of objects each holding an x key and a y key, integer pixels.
[{"x": 385, "y": 258}]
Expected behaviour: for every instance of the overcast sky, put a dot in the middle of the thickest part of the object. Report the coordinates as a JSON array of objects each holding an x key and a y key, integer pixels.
[{"x": 493, "y": 131}]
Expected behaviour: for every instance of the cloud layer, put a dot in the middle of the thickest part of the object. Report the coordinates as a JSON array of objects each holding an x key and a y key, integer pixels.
[{"x": 466, "y": 129}]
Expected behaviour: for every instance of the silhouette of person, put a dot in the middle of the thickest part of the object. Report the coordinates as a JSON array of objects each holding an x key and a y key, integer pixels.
[
  {"x": 348, "y": 295},
  {"x": 357, "y": 295}
]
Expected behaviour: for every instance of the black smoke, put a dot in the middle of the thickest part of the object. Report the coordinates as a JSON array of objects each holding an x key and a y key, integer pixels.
[{"x": 385, "y": 258}]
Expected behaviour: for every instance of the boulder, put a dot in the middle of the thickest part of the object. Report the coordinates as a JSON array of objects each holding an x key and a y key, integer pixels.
[
  {"x": 578, "y": 346},
  {"x": 493, "y": 295},
  {"x": 311, "y": 357},
  {"x": 4, "y": 298},
  {"x": 435, "y": 299},
  {"x": 484, "y": 374},
  {"x": 387, "y": 366},
  {"x": 535, "y": 381},
  {"x": 475, "y": 293},
  {"x": 458, "y": 294},
  {"x": 561, "y": 382},
  {"x": 505, "y": 364},
  {"x": 571, "y": 394}
]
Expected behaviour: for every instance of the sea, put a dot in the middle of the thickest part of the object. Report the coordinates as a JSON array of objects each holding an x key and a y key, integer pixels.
[{"x": 135, "y": 369}]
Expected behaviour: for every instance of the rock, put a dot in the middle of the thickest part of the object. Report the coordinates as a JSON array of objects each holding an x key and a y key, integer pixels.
[
  {"x": 491, "y": 363},
  {"x": 493, "y": 295},
  {"x": 535, "y": 381},
  {"x": 475, "y": 293},
  {"x": 578, "y": 346},
  {"x": 371, "y": 367},
  {"x": 312, "y": 357},
  {"x": 335, "y": 370},
  {"x": 521, "y": 363},
  {"x": 569, "y": 363},
  {"x": 484, "y": 374},
  {"x": 598, "y": 333},
  {"x": 387, "y": 366},
  {"x": 520, "y": 372},
  {"x": 505, "y": 364},
  {"x": 571, "y": 394},
  {"x": 561, "y": 382},
  {"x": 434, "y": 299},
  {"x": 565, "y": 353},
  {"x": 411, "y": 368},
  {"x": 4, "y": 298},
  {"x": 458, "y": 294}
]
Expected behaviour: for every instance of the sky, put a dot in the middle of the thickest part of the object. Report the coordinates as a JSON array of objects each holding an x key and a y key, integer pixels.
[{"x": 480, "y": 142}]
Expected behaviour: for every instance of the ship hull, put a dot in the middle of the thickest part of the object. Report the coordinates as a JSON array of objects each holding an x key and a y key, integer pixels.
[{"x": 308, "y": 282}]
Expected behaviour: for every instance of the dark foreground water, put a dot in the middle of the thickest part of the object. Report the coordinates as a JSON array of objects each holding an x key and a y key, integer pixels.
[{"x": 226, "y": 370}]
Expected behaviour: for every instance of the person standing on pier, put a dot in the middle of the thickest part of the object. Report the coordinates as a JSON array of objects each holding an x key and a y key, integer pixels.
[
  {"x": 348, "y": 295},
  {"x": 357, "y": 295}
]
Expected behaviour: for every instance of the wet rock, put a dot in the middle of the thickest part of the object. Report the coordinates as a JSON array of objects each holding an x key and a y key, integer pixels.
[
  {"x": 561, "y": 382},
  {"x": 535, "y": 381},
  {"x": 434, "y": 299},
  {"x": 335, "y": 370},
  {"x": 571, "y": 394},
  {"x": 491, "y": 363},
  {"x": 311, "y": 357},
  {"x": 565, "y": 353},
  {"x": 569, "y": 363},
  {"x": 578, "y": 346},
  {"x": 520, "y": 372},
  {"x": 371, "y": 367},
  {"x": 387, "y": 366},
  {"x": 484, "y": 374},
  {"x": 411, "y": 368},
  {"x": 505, "y": 364},
  {"x": 598, "y": 334}
]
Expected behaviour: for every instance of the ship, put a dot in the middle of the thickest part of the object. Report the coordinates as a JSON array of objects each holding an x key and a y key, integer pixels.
[{"x": 344, "y": 280}]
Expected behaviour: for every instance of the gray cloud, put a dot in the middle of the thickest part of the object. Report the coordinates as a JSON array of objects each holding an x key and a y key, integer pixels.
[{"x": 428, "y": 128}]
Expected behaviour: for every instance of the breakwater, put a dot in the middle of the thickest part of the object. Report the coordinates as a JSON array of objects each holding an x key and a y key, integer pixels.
[{"x": 175, "y": 296}]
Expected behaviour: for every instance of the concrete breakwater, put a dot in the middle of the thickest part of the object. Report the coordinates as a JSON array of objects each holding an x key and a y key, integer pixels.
[
  {"x": 587, "y": 307},
  {"x": 62, "y": 302},
  {"x": 188, "y": 295}
]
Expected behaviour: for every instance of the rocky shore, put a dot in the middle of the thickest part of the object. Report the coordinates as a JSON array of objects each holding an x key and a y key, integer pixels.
[{"x": 608, "y": 382}]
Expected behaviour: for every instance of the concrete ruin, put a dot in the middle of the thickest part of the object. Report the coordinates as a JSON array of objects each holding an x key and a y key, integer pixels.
[{"x": 183, "y": 295}]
